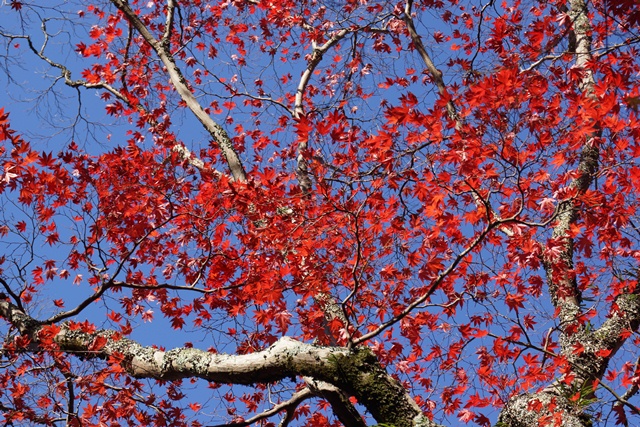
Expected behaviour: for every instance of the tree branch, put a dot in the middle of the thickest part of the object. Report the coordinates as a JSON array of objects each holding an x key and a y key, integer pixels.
[
  {"x": 565, "y": 294},
  {"x": 184, "y": 153},
  {"x": 353, "y": 372},
  {"x": 302, "y": 169},
  {"x": 289, "y": 406},
  {"x": 434, "y": 286},
  {"x": 435, "y": 74},
  {"x": 339, "y": 401},
  {"x": 178, "y": 80},
  {"x": 168, "y": 26}
]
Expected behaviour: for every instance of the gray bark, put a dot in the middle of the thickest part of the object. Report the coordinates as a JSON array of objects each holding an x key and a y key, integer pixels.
[
  {"x": 529, "y": 410},
  {"x": 586, "y": 366},
  {"x": 355, "y": 372}
]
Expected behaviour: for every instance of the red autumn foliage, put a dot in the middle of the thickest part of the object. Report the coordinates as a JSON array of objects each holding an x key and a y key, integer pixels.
[{"x": 448, "y": 184}]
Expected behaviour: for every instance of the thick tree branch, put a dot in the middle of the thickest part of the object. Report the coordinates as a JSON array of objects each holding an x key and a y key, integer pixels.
[
  {"x": 168, "y": 26},
  {"x": 339, "y": 401},
  {"x": 562, "y": 282},
  {"x": 354, "y": 372},
  {"x": 587, "y": 351},
  {"x": 543, "y": 408}
]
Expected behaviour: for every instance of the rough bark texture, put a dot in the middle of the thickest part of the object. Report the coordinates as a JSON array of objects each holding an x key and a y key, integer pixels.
[
  {"x": 528, "y": 410},
  {"x": 586, "y": 365},
  {"x": 356, "y": 372}
]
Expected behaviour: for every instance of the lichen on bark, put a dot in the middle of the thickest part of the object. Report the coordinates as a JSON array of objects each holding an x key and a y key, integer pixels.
[
  {"x": 360, "y": 374},
  {"x": 528, "y": 410}
]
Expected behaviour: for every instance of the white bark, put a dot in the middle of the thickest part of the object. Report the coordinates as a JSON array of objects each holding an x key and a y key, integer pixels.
[{"x": 337, "y": 372}]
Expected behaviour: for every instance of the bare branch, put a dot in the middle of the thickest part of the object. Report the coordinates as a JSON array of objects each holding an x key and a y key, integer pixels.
[
  {"x": 435, "y": 74},
  {"x": 624, "y": 399},
  {"x": 78, "y": 309},
  {"x": 184, "y": 153},
  {"x": 289, "y": 406}
]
